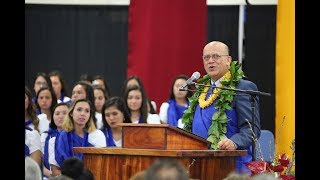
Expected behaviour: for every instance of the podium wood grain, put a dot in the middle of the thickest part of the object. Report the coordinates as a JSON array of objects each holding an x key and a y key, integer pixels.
[
  {"x": 160, "y": 136},
  {"x": 123, "y": 163},
  {"x": 142, "y": 144}
]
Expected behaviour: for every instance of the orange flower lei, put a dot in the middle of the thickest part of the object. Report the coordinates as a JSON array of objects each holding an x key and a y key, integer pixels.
[{"x": 205, "y": 103}]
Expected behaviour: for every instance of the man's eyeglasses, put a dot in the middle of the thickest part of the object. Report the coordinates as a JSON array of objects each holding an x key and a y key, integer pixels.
[{"x": 214, "y": 56}]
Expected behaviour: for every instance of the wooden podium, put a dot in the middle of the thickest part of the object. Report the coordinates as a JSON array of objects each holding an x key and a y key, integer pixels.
[{"x": 142, "y": 144}]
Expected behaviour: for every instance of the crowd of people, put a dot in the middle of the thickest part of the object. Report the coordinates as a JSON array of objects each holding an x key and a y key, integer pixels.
[{"x": 56, "y": 122}]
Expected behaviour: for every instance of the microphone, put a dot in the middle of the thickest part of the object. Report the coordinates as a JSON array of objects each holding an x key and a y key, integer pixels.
[{"x": 194, "y": 77}]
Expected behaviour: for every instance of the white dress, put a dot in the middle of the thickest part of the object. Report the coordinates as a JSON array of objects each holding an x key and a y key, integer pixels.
[
  {"x": 97, "y": 138},
  {"x": 43, "y": 123},
  {"x": 65, "y": 100},
  {"x": 163, "y": 113},
  {"x": 32, "y": 140},
  {"x": 51, "y": 152},
  {"x": 118, "y": 143},
  {"x": 99, "y": 120},
  {"x": 43, "y": 137},
  {"x": 153, "y": 119}
]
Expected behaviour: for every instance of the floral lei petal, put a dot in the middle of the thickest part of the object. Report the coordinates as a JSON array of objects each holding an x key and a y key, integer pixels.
[
  {"x": 205, "y": 103},
  {"x": 218, "y": 127}
]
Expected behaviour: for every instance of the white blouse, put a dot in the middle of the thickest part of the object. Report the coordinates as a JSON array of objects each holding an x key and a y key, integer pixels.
[
  {"x": 99, "y": 120},
  {"x": 32, "y": 140}
]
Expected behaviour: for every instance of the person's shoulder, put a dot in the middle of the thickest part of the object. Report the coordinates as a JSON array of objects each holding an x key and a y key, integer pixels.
[
  {"x": 66, "y": 99},
  {"x": 97, "y": 138},
  {"x": 32, "y": 134},
  {"x": 62, "y": 133},
  {"x": 164, "y": 105},
  {"x": 44, "y": 135},
  {"x": 42, "y": 116},
  {"x": 52, "y": 140},
  {"x": 153, "y": 119},
  {"x": 96, "y": 133},
  {"x": 246, "y": 84}
]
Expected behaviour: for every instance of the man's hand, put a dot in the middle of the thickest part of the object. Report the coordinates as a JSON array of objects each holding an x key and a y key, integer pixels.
[{"x": 226, "y": 144}]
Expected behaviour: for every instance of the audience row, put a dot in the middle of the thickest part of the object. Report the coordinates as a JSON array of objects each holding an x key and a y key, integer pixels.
[{"x": 56, "y": 123}]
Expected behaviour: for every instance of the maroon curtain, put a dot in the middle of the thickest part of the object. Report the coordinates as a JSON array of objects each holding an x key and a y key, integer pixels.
[{"x": 166, "y": 39}]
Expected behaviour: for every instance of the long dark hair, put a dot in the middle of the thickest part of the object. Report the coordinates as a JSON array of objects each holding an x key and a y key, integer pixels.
[
  {"x": 119, "y": 103},
  {"x": 144, "y": 107},
  {"x": 53, "y": 96},
  {"x": 32, "y": 108},
  {"x": 52, "y": 123},
  {"x": 182, "y": 76},
  {"x": 46, "y": 77},
  {"x": 62, "y": 81},
  {"x": 106, "y": 86},
  {"x": 124, "y": 87}
]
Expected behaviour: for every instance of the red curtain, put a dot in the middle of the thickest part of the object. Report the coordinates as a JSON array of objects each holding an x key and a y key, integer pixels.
[{"x": 166, "y": 38}]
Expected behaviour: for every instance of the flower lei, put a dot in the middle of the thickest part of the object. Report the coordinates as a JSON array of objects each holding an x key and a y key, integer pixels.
[
  {"x": 202, "y": 98},
  {"x": 218, "y": 127}
]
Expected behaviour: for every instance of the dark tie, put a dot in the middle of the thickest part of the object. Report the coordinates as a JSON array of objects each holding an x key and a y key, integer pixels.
[{"x": 209, "y": 91}]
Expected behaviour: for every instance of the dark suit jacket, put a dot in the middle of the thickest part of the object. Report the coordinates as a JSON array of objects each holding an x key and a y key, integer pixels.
[{"x": 242, "y": 104}]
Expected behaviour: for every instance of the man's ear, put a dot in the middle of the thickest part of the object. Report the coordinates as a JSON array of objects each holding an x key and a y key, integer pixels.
[{"x": 229, "y": 61}]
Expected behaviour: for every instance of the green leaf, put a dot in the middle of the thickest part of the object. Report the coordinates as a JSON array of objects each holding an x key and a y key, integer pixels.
[
  {"x": 223, "y": 120},
  {"x": 224, "y": 129},
  {"x": 220, "y": 128},
  {"x": 229, "y": 98},
  {"x": 213, "y": 130},
  {"x": 214, "y": 142},
  {"x": 223, "y": 116},
  {"x": 232, "y": 69},
  {"x": 214, "y": 146},
  {"x": 210, "y": 138},
  {"x": 222, "y": 137},
  {"x": 205, "y": 78},
  {"x": 229, "y": 107},
  {"x": 216, "y": 115}
]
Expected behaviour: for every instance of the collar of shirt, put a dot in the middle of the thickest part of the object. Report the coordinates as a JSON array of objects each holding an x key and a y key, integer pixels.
[{"x": 215, "y": 83}]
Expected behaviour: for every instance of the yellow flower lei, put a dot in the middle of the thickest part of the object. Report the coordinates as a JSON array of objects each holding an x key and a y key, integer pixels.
[{"x": 205, "y": 103}]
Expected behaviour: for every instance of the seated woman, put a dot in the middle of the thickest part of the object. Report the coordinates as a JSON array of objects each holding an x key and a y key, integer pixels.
[
  {"x": 136, "y": 101},
  {"x": 58, "y": 115},
  {"x": 33, "y": 145},
  {"x": 46, "y": 100},
  {"x": 79, "y": 130},
  {"x": 59, "y": 87},
  {"x": 171, "y": 111},
  {"x": 114, "y": 111},
  {"x": 30, "y": 108},
  {"x": 100, "y": 97},
  {"x": 136, "y": 81},
  {"x": 32, "y": 136}
]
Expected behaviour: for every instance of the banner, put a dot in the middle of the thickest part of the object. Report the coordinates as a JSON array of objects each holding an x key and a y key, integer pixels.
[
  {"x": 165, "y": 39},
  {"x": 285, "y": 76}
]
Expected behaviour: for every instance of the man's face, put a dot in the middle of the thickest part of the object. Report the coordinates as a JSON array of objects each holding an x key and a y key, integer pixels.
[{"x": 216, "y": 60}]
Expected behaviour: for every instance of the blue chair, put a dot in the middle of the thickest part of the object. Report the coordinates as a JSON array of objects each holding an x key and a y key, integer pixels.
[{"x": 266, "y": 142}]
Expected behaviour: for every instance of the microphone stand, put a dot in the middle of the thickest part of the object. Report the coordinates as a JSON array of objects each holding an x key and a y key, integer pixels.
[{"x": 253, "y": 94}]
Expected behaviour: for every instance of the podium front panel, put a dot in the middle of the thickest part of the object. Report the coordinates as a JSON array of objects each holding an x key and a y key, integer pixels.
[{"x": 123, "y": 163}]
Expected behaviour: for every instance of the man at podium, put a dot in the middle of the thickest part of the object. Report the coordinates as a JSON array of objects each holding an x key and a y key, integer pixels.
[{"x": 219, "y": 115}]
